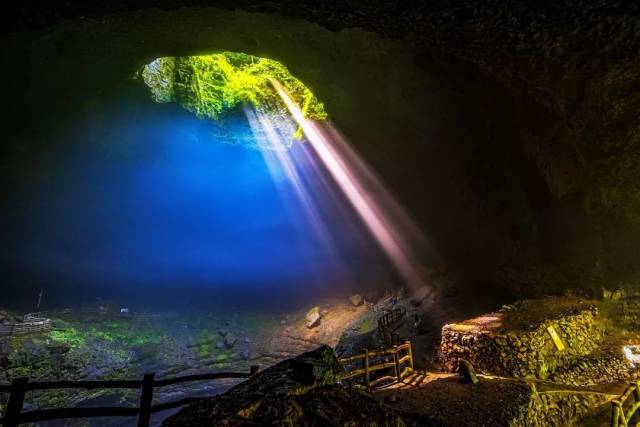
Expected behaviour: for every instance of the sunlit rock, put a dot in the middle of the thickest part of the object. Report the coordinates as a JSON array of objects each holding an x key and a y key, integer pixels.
[
  {"x": 313, "y": 317},
  {"x": 356, "y": 300}
]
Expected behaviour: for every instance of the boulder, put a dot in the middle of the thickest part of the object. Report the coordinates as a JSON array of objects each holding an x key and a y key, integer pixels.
[
  {"x": 299, "y": 391},
  {"x": 313, "y": 317},
  {"x": 356, "y": 300},
  {"x": 330, "y": 405}
]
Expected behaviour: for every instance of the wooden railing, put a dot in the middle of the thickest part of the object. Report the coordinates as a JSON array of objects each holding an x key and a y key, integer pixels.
[
  {"x": 17, "y": 390},
  {"x": 29, "y": 317},
  {"x": 620, "y": 417},
  {"x": 363, "y": 365},
  {"x": 32, "y": 323},
  {"x": 389, "y": 322}
]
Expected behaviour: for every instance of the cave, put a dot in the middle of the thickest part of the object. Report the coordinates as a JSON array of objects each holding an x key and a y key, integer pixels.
[{"x": 287, "y": 190}]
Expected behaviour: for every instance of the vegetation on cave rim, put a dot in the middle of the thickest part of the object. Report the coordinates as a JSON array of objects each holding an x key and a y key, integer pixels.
[{"x": 212, "y": 86}]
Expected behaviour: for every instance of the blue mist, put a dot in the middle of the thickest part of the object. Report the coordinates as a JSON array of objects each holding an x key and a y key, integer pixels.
[{"x": 154, "y": 199}]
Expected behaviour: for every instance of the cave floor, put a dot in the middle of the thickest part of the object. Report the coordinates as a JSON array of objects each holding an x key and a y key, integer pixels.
[
  {"x": 427, "y": 398},
  {"x": 88, "y": 344}
]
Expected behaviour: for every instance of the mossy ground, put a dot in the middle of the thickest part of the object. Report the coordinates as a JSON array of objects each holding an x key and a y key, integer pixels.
[{"x": 85, "y": 345}]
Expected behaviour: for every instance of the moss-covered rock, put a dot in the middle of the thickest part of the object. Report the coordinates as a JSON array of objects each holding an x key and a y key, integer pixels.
[{"x": 211, "y": 86}]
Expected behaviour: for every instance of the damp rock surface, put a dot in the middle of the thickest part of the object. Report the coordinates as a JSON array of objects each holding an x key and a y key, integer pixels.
[{"x": 298, "y": 390}]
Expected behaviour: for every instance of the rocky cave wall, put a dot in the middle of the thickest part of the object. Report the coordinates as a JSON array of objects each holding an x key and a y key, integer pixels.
[{"x": 507, "y": 138}]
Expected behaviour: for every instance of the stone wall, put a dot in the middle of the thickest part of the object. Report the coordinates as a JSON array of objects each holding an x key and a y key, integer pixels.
[
  {"x": 515, "y": 341},
  {"x": 598, "y": 368}
]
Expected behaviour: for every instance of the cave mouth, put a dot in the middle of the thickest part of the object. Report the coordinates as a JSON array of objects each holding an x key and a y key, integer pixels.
[{"x": 220, "y": 85}]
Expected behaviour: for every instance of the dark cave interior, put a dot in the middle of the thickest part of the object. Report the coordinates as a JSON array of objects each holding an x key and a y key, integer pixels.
[{"x": 507, "y": 132}]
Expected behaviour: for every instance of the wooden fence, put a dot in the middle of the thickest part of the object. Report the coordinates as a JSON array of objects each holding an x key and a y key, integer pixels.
[
  {"x": 373, "y": 361},
  {"x": 620, "y": 416},
  {"x": 32, "y": 323},
  {"x": 14, "y": 415},
  {"x": 389, "y": 322}
]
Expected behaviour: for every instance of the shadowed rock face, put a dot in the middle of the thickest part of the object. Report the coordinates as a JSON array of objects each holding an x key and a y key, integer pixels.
[
  {"x": 298, "y": 391},
  {"x": 333, "y": 405},
  {"x": 509, "y": 130}
]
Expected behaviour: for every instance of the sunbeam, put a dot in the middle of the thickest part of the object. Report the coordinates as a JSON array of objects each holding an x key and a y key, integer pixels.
[{"x": 344, "y": 169}]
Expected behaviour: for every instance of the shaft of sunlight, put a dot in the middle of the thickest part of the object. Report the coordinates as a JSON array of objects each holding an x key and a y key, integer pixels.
[
  {"x": 363, "y": 201},
  {"x": 276, "y": 152}
]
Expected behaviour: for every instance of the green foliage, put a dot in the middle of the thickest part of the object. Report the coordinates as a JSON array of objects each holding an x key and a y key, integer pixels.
[
  {"x": 70, "y": 336},
  {"x": 213, "y": 85}
]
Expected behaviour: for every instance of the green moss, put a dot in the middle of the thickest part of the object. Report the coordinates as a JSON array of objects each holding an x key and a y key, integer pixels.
[
  {"x": 366, "y": 326},
  {"x": 212, "y": 86},
  {"x": 70, "y": 336}
]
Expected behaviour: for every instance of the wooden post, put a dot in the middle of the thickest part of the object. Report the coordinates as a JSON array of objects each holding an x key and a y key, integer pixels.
[
  {"x": 615, "y": 415},
  {"x": 619, "y": 414},
  {"x": 146, "y": 397},
  {"x": 396, "y": 359},
  {"x": 16, "y": 400},
  {"x": 367, "y": 380},
  {"x": 254, "y": 369},
  {"x": 410, "y": 355}
]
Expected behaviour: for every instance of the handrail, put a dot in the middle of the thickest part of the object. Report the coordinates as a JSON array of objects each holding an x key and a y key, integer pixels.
[
  {"x": 389, "y": 322},
  {"x": 29, "y": 325},
  {"x": 368, "y": 368},
  {"x": 14, "y": 415},
  {"x": 620, "y": 417}
]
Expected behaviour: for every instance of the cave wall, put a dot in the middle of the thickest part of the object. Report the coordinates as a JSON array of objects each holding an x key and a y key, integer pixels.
[{"x": 487, "y": 164}]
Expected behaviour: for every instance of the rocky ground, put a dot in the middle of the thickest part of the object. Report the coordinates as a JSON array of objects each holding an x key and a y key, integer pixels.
[
  {"x": 100, "y": 344},
  {"x": 306, "y": 390}
]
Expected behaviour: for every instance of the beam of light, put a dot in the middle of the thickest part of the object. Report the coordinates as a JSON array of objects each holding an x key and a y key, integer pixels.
[
  {"x": 364, "y": 202},
  {"x": 276, "y": 152}
]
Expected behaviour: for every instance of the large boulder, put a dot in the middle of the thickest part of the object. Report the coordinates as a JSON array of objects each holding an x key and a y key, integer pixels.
[
  {"x": 330, "y": 405},
  {"x": 313, "y": 317},
  {"x": 279, "y": 387}
]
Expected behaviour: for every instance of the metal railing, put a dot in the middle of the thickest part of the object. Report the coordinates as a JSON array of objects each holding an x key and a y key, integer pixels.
[
  {"x": 373, "y": 361},
  {"x": 17, "y": 390},
  {"x": 620, "y": 416}
]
